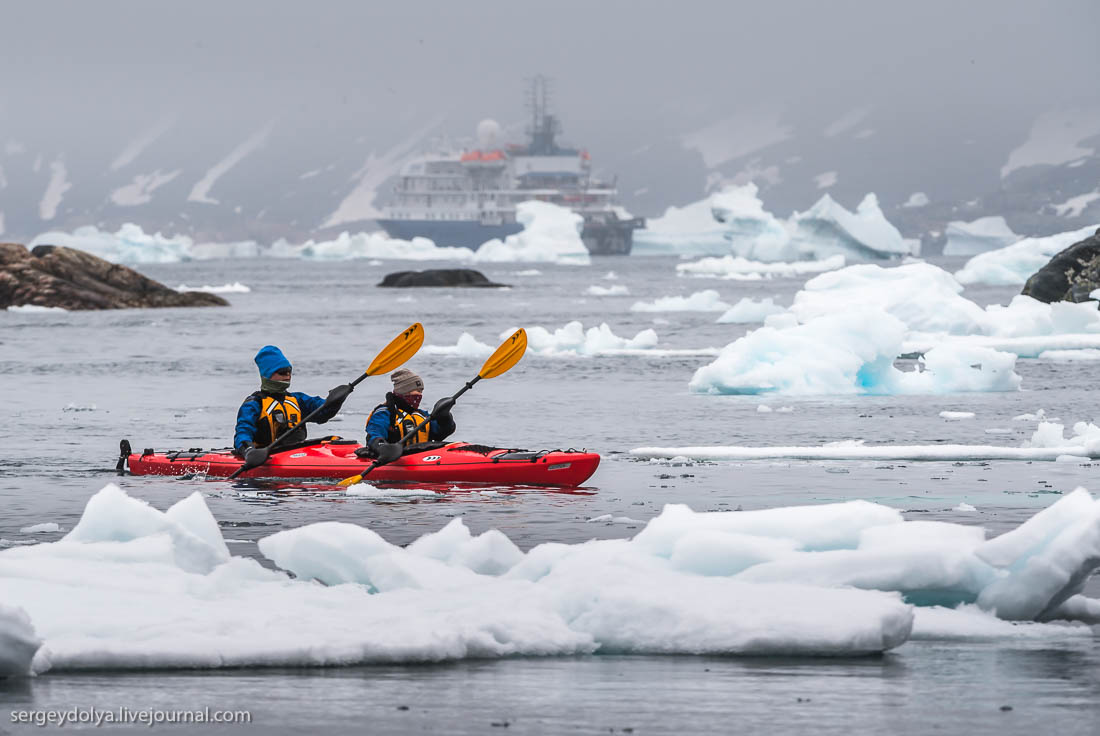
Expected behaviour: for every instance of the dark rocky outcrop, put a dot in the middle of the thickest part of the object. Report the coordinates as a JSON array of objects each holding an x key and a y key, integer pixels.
[
  {"x": 54, "y": 276},
  {"x": 438, "y": 277},
  {"x": 1070, "y": 276}
]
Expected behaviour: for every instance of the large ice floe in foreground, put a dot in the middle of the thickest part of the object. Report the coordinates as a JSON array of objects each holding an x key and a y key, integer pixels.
[
  {"x": 825, "y": 230},
  {"x": 132, "y": 587},
  {"x": 1015, "y": 263},
  {"x": 845, "y": 329}
]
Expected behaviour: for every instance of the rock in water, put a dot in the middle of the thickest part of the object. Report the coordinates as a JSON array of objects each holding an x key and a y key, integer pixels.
[
  {"x": 55, "y": 276},
  {"x": 438, "y": 277},
  {"x": 1070, "y": 276}
]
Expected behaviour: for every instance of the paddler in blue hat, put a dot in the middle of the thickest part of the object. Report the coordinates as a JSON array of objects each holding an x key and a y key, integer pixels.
[
  {"x": 401, "y": 413},
  {"x": 271, "y": 411}
]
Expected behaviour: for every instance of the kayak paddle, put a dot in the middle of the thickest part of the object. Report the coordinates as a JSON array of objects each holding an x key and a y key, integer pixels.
[
  {"x": 400, "y": 349},
  {"x": 506, "y": 356}
]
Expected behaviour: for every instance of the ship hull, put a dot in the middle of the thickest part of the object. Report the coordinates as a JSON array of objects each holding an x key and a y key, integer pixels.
[
  {"x": 601, "y": 239},
  {"x": 454, "y": 233}
]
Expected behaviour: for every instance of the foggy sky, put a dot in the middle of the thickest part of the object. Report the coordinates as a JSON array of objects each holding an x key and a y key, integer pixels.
[{"x": 83, "y": 69}]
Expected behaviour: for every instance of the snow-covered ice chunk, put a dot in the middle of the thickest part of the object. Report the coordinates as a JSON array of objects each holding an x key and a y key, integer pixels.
[
  {"x": 18, "y": 642},
  {"x": 1013, "y": 264},
  {"x": 748, "y": 311},
  {"x": 954, "y": 415},
  {"x": 614, "y": 290},
  {"x": 467, "y": 346},
  {"x": 573, "y": 338}
]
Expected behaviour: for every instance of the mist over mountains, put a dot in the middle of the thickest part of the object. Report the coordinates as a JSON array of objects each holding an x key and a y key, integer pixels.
[{"x": 263, "y": 121}]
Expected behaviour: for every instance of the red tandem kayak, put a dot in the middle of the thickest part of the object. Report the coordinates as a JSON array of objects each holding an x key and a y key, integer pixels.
[{"x": 434, "y": 463}]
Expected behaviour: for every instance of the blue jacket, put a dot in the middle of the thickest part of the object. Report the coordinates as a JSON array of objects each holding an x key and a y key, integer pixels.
[
  {"x": 380, "y": 422},
  {"x": 249, "y": 414}
]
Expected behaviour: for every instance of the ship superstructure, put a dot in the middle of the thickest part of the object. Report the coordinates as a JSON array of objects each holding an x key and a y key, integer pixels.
[{"x": 468, "y": 197}]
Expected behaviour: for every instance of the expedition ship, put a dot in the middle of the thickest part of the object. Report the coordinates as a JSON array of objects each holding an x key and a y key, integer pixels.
[{"x": 469, "y": 197}]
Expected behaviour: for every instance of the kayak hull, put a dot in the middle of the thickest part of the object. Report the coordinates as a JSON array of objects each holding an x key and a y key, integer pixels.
[{"x": 454, "y": 462}]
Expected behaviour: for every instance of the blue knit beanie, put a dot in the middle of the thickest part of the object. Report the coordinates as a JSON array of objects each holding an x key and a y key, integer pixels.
[{"x": 270, "y": 360}]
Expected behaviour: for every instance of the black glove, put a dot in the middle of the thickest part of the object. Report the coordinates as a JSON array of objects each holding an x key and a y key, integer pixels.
[
  {"x": 256, "y": 456},
  {"x": 443, "y": 407},
  {"x": 242, "y": 448},
  {"x": 386, "y": 452},
  {"x": 338, "y": 395}
]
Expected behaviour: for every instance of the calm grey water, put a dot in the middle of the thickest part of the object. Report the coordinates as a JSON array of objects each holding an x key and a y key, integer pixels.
[{"x": 77, "y": 383}]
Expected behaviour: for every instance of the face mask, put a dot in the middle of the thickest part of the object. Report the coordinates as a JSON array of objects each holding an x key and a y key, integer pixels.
[
  {"x": 273, "y": 386},
  {"x": 412, "y": 400}
]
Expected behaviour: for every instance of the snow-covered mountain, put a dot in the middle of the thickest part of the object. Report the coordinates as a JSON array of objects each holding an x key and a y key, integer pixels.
[{"x": 283, "y": 177}]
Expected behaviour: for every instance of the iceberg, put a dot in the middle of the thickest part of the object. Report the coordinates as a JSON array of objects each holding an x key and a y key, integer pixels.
[
  {"x": 551, "y": 234},
  {"x": 1015, "y": 263},
  {"x": 825, "y": 230},
  {"x": 979, "y": 236},
  {"x": 828, "y": 229},
  {"x": 131, "y": 244},
  {"x": 690, "y": 230}
]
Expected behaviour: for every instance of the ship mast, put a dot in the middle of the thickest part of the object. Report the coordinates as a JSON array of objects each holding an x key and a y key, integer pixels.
[{"x": 544, "y": 126}]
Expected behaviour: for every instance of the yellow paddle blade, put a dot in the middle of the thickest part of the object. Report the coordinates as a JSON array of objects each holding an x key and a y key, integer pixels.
[
  {"x": 352, "y": 480},
  {"x": 403, "y": 347},
  {"x": 506, "y": 356}
]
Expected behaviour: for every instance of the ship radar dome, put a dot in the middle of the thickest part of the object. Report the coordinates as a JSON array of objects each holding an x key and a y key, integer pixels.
[{"x": 488, "y": 131}]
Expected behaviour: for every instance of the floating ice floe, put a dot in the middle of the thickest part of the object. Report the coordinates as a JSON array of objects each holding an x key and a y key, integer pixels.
[
  {"x": 699, "y": 301},
  {"x": 377, "y": 245},
  {"x": 131, "y": 244},
  {"x": 979, "y": 236},
  {"x": 1046, "y": 443},
  {"x": 844, "y": 329},
  {"x": 851, "y": 352},
  {"x": 748, "y": 311},
  {"x": 132, "y": 587},
  {"x": 738, "y": 268},
  {"x": 1015, "y": 263},
  {"x": 235, "y": 288},
  {"x": 467, "y": 347},
  {"x": 34, "y": 308},
  {"x": 43, "y": 528},
  {"x": 572, "y": 339},
  {"x": 954, "y": 415},
  {"x": 614, "y": 290}
]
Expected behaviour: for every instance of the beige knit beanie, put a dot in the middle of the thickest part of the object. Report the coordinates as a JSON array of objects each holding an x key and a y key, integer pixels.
[{"x": 405, "y": 381}]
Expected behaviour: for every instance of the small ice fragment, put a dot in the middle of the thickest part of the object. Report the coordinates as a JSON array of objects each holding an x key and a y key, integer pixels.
[
  {"x": 785, "y": 410},
  {"x": 953, "y": 415},
  {"x": 764, "y": 409},
  {"x": 45, "y": 528},
  {"x": 964, "y": 506}
]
